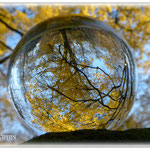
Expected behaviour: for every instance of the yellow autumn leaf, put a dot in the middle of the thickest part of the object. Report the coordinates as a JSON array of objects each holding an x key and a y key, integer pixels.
[{"x": 1, "y": 52}]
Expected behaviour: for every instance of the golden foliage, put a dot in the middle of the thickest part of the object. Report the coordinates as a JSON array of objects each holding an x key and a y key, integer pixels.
[{"x": 132, "y": 22}]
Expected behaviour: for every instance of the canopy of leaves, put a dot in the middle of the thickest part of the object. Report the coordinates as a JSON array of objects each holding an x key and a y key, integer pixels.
[
  {"x": 65, "y": 80},
  {"x": 130, "y": 21}
]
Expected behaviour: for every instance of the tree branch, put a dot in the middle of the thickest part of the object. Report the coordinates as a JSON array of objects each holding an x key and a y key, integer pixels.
[
  {"x": 56, "y": 90},
  {"x": 2, "y": 60},
  {"x": 99, "y": 92},
  {"x": 8, "y": 47},
  {"x": 87, "y": 66},
  {"x": 2, "y": 73},
  {"x": 11, "y": 28},
  {"x": 123, "y": 98}
]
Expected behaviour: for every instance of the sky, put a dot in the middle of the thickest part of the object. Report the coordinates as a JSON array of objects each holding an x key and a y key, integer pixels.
[{"x": 12, "y": 42}]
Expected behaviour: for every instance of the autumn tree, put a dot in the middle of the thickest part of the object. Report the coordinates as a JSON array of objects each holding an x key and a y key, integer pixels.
[{"x": 130, "y": 21}]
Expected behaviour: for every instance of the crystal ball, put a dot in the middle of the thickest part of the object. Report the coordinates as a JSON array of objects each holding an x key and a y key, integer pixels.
[{"x": 71, "y": 73}]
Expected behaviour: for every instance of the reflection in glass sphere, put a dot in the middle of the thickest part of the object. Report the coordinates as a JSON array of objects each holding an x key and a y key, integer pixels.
[{"x": 70, "y": 73}]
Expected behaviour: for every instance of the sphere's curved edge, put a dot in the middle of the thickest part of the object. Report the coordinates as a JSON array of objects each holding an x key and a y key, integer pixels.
[
  {"x": 31, "y": 130},
  {"x": 67, "y": 21},
  {"x": 131, "y": 53},
  {"x": 132, "y": 58},
  {"x": 58, "y": 22}
]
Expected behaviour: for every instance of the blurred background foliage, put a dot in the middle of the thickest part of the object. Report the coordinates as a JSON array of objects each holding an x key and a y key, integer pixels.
[{"x": 132, "y": 22}]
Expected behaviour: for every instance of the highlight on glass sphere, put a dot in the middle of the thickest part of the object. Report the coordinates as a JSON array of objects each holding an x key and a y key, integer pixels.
[{"x": 71, "y": 73}]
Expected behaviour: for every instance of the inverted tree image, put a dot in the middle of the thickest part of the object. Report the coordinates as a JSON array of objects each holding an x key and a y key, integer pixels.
[{"x": 73, "y": 47}]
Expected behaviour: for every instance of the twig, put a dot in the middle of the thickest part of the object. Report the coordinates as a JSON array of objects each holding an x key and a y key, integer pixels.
[
  {"x": 11, "y": 28},
  {"x": 2, "y": 60},
  {"x": 8, "y": 47}
]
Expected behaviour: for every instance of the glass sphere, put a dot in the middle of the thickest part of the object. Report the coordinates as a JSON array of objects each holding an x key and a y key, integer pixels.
[{"x": 70, "y": 73}]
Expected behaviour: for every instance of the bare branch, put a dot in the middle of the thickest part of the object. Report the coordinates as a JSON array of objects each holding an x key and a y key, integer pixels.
[
  {"x": 2, "y": 60},
  {"x": 11, "y": 28},
  {"x": 99, "y": 69},
  {"x": 56, "y": 90},
  {"x": 74, "y": 65},
  {"x": 123, "y": 98},
  {"x": 2, "y": 73},
  {"x": 86, "y": 100},
  {"x": 8, "y": 47}
]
